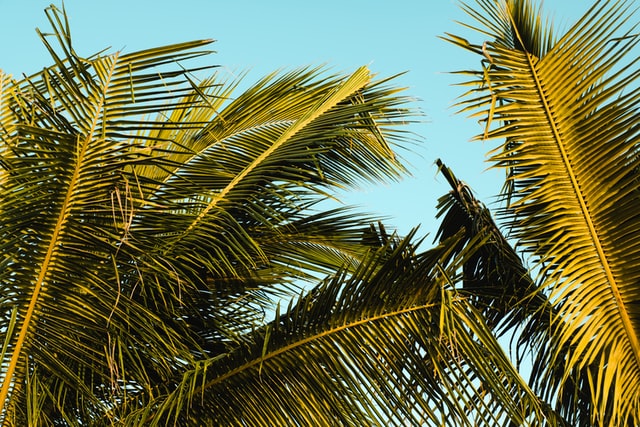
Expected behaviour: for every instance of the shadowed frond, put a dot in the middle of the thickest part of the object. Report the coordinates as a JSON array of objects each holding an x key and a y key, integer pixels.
[{"x": 494, "y": 276}]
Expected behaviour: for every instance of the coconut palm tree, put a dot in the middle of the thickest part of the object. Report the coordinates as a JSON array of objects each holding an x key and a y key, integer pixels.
[
  {"x": 149, "y": 219},
  {"x": 152, "y": 220}
]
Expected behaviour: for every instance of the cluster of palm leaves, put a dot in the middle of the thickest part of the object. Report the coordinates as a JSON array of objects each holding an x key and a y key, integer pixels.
[{"x": 166, "y": 257}]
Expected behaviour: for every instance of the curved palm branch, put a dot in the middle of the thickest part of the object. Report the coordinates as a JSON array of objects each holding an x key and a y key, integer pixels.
[
  {"x": 567, "y": 109},
  {"x": 59, "y": 251},
  {"x": 132, "y": 247},
  {"x": 390, "y": 344}
]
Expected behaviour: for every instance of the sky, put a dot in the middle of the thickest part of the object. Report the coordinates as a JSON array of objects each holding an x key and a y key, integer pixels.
[{"x": 391, "y": 37}]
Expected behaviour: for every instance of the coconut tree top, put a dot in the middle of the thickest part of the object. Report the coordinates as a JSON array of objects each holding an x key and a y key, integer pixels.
[{"x": 167, "y": 258}]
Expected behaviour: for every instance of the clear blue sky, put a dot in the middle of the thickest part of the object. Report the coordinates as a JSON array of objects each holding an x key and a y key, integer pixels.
[{"x": 263, "y": 36}]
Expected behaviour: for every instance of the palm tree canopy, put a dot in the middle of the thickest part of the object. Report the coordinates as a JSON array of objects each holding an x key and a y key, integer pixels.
[
  {"x": 148, "y": 218},
  {"x": 152, "y": 219}
]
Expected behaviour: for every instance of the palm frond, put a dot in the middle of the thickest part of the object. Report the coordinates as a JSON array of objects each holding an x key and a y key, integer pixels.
[
  {"x": 494, "y": 277},
  {"x": 61, "y": 165},
  {"x": 234, "y": 202},
  {"x": 393, "y": 343},
  {"x": 567, "y": 108}
]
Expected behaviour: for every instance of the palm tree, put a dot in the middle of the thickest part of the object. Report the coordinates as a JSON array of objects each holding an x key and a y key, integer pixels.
[{"x": 151, "y": 222}]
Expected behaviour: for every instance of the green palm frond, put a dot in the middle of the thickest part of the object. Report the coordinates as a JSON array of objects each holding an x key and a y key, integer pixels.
[
  {"x": 149, "y": 218},
  {"x": 61, "y": 268},
  {"x": 390, "y": 344},
  {"x": 567, "y": 108},
  {"x": 269, "y": 152},
  {"x": 250, "y": 179}
]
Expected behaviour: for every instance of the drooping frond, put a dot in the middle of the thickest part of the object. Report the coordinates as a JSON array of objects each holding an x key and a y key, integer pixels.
[
  {"x": 391, "y": 344},
  {"x": 494, "y": 276},
  {"x": 567, "y": 108}
]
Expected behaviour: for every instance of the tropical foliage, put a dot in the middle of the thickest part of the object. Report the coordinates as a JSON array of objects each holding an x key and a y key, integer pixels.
[
  {"x": 566, "y": 108},
  {"x": 166, "y": 258}
]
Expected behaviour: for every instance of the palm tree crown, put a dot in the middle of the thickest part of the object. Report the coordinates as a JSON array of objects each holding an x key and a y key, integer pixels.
[{"x": 160, "y": 234}]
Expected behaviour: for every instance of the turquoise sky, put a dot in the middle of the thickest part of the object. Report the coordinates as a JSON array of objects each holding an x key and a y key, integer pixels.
[{"x": 263, "y": 36}]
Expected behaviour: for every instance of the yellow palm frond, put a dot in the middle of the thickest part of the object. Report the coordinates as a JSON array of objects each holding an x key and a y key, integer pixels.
[{"x": 567, "y": 109}]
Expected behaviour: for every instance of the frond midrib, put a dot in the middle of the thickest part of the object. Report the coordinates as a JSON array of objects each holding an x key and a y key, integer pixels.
[{"x": 311, "y": 338}]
